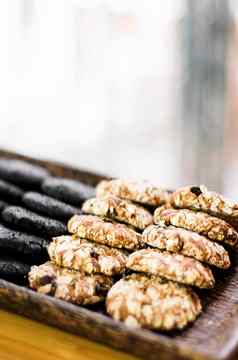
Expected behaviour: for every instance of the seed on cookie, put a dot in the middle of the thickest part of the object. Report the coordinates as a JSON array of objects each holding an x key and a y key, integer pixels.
[
  {"x": 142, "y": 192},
  {"x": 69, "y": 285},
  {"x": 187, "y": 243},
  {"x": 104, "y": 232},
  {"x": 200, "y": 198},
  {"x": 119, "y": 209},
  {"x": 174, "y": 267},
  {"x": 214, "y": 228},
  {"x": 85, "y": 256},
  {"x": 152, "y": 302}
]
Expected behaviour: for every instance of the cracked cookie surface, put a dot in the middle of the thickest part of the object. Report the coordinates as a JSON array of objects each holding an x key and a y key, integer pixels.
[{"x": 152, "y": 302}]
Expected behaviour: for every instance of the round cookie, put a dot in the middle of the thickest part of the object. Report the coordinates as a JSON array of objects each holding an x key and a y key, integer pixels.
[
  {"x": 152, "y": 302},
  {"x": 118, "y": 209},
  {"x": 104, "y": 232},
  {"x": 85, "y": 256},
  {"x": 187, "y": 243},
  {"x": 174, "y": 267},
  {"x": 71, "y": 286},
  {"x": 214, "y": 228},
  {"x": 142, "y": 192}
]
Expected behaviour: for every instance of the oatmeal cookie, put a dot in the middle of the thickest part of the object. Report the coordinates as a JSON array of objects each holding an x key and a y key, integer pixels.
[
  {"x": 85, "y": 256},
  {"x": 71, "y": 286},
  {"x": 142, "y": 192},
  {"x": 152, "y": 302},
  {"x": 175, "y": 267},
  {"x": 214, "y": 228},
  {"x": 200, "y": 198},
  {"x": 104, "y": 232},
  {"x": 119, "y": 209},
  {"x": 187, "y": 243}
]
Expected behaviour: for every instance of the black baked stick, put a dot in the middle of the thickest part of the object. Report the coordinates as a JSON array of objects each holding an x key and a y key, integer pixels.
[
  {"x": 21, "y": 219},
  {"x": 71, "y": 191},
  {"x": 22, "y": 173},
  {"x": 29, "y": 248},
  {"x": 10, "y": 192},
  {"x": 13, "y": 270},
  {"x": 3, "y": 204},
  {"x": 49, "y": 206}
]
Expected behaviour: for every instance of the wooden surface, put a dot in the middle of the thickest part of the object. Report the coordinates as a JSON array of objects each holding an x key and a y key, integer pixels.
[{"x": 25, "y": 339}]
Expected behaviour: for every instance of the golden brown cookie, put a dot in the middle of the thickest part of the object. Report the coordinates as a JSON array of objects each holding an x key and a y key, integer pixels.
[
  {"x": 214, "y": 228},
  {"x": 71, "y": 286},
  {"x": 118, "y": 209},
  {"x": 142, "y": 192},
  {"x": 152, "y": 302},
  {"x": 85, "y": 256},
  {"x": 187, "y": 243},
  {"x": 174, "y": 267},
  {"x": 200, "y": 198},
  {"x": 103, "y": 232}
]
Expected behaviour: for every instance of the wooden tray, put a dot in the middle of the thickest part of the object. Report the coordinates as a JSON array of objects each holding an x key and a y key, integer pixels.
[{"x": 213, "y": 336}]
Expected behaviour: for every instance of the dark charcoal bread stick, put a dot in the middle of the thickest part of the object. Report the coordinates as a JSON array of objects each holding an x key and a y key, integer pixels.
[
  {"x": 13, "y": 270},
  {"x": 71, "y": 191},
  {"x": 49, "y": 206},
  {"x": 25, "y": 220},
  {"x": 30, "y": 248},
  {"x": 22, "y": 173},
  {"x": 3, "y": 204},
  {"x": 10, "y": 192}
]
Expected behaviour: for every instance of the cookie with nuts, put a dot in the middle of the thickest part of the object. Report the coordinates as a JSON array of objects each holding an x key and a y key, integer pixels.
[
  {"x": 85, "y": 256},
  {"x": 104, "y": 232},
  {"x": 119, "y": 209},
  {"x": 141, "y": 192},
  {"x": 213, "y": 228},
  {"x": 152, "y": 302},
  {"x": 187, "y": 243},
  {"x": 69, "y": 285},
  {"x": 174, "y": 267}
]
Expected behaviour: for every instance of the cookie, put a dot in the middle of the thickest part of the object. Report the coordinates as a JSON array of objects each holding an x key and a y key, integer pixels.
[
  {"x": 213, "y": 228},
  {"x": 174, "y": 267},
  {"x": 70, "y": 191},
  {"x": 104, "y": 232},
  {"x": 142, "y": 192},
  {"x": 200, "y": 198},
  {"x": 10, "y": 193},
  {"x": 22, "y": 173},
  {"x": 49, "y": 206},
  {"x": 119, "y": 209},
  {"x": 85, "y": 256},
  {"x": 25, "y": 220},
  {"x": 29, "y": 248},
  {"x": 68, "y": 285},
  {"x": 152, "y": 302},
  {"x": 187, "y": 243}
]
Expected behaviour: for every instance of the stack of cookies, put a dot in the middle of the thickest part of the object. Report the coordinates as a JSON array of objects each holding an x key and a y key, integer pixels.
[{"x": 144, "y": 265}]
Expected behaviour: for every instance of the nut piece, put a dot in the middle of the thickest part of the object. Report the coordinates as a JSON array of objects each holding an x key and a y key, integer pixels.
[
  {"x": 142, "y": 192},
  {"x": 69, "y": 285},
  {"x": 152, "y": 302},
  {"x": 171, "y": 266},
  {"x": 119, "y": 209},
  {"x": 188, "y": 243},
  {"x": 103, "y": 232},
  {"x": 199, "y": 198},
  {"x": 85, "y": 256},
  {"x": 213, "y": 228}
]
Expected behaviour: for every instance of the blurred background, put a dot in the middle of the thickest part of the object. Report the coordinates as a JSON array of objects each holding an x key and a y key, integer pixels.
[{"x": 128, "y": 88}]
